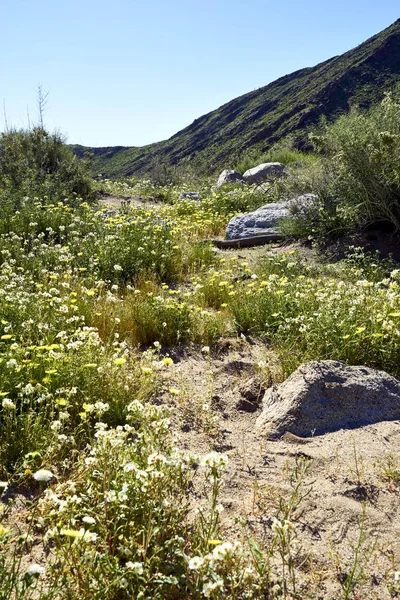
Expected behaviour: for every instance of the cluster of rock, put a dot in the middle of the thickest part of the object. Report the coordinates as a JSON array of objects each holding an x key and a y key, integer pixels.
[
  {"x": 324, "y": 396},
  {"x": 265, "y": 220},
  {"x": 256, "y": 175}
]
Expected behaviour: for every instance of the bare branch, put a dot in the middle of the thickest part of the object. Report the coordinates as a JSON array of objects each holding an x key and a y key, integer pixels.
[
  {"x": 5, "y": 117},
  {"x": 42, "y": 98}
]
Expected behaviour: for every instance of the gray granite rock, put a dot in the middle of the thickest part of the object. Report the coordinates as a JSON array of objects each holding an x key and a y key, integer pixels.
[
  {"x": 302, "y": 203},
  {"x": 262, "y": 172},
  {"x": 327, "y": 395},
  {"x": 228, "y": 176},
  {"x": 190, "y": 196},
  {"x": 261, "y": 221}
]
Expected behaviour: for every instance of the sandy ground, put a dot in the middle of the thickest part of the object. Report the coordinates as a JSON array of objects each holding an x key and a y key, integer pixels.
[{"x": 347, "y": 474}]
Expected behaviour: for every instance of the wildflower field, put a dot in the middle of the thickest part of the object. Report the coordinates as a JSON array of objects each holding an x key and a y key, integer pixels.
[
  {"x": 127, "y": 470},
  {"x": 97, "y": 490}
]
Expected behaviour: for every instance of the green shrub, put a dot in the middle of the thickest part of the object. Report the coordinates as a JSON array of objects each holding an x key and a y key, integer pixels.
[
  {"x": 283, "y": 152},
  {"x": 362, "y": 163},
  {"x": 37, "y": 163},
  {"x": 320, "y": 220}
]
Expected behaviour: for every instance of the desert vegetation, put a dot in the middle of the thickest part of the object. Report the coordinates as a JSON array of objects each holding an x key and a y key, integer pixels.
[{"x": 99, "y": 308}]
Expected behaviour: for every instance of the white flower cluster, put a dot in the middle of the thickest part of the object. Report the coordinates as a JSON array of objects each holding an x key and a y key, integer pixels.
[{"x": 214, "y": 460}]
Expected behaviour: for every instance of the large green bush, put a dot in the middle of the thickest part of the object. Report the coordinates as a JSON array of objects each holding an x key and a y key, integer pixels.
[
  {"x": 362, "y": 159},
  {"x": 36, "y": 163}
]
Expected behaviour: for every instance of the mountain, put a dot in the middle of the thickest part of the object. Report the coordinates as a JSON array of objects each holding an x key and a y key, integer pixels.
[{"x": 287, "y": 106}]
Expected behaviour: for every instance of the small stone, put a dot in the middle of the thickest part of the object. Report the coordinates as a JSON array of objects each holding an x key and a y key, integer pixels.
[
  {"x": 190, "y": 196},
  {"x": 251, "y": 395}
]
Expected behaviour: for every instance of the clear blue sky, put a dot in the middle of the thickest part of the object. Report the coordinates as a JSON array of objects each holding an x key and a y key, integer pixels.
[{"x": 124, "y": 72}]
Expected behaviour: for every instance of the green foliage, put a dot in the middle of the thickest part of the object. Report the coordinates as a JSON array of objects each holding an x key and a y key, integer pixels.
[
  {"x": 149, "y": 314},
  {"x": 51, "y": 364},
  {"x": 320, "y": 220},
  {"x": 311, "y": 315},
  {"x": 164, "y": 174},
  {"x": 37, "y": 163},
  {"x": 356, "y": 180},
  {"x": 362, "y": 149},
  {"x": 114, "y": 248},
  {"x": 283, "y": 152}
]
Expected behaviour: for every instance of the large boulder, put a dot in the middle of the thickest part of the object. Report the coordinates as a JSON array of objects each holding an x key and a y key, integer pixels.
[
  {"x": 262, "y": 172},
  {"x": 228, "y": 176},
  {"x": 259, "y": 222},
  {"x": 328, "y": 395}
]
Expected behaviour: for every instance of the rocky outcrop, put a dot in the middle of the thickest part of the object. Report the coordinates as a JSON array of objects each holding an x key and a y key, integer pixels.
[
  {"x": 262, "y": 221},
  {"x": 263, "y": 172},
  {"x": 328, "y": 395},
  {"x": 229, "y": 176}
]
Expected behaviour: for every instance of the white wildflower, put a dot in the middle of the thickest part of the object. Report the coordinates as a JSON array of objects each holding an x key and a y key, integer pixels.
[
  {"x": 195, "y": 563},
  {"x": 89, "y": 520},
  {"x": 222, "y": 550},
  {"x": 88, "y": 536},
  {"x": 214, "y": 459},
  {"x": 211, "y": 586},
  {"x": 35, "y": 570},
  {"x": 43, "y": 475},
  {"x": 136, "y": 567},
  {"x": 8, "y": 404},
  {"x": 276, "y": 525},
  {"x": 135, "y": 405}
]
